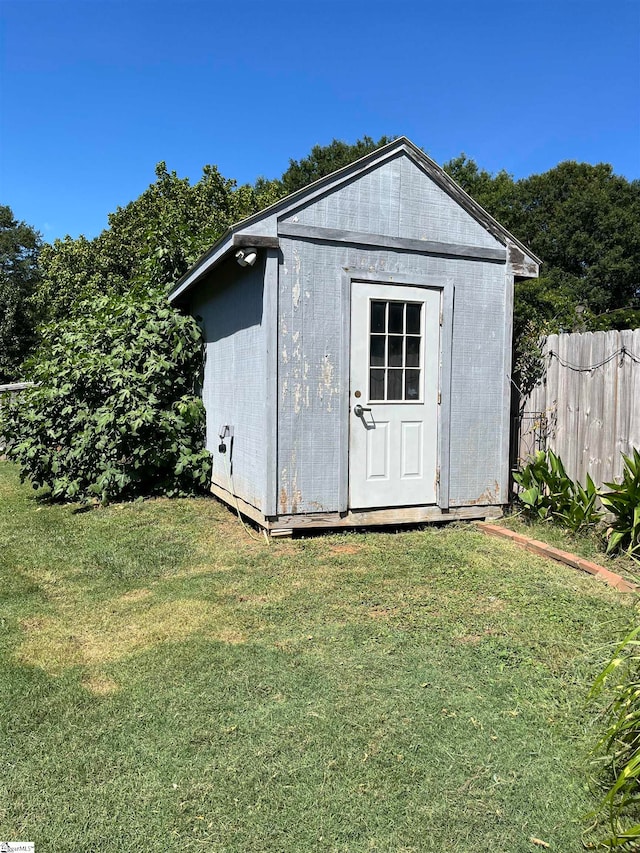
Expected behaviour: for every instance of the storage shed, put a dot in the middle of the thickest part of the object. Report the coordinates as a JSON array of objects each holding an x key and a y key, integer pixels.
[{"x": 358, "y": 350}]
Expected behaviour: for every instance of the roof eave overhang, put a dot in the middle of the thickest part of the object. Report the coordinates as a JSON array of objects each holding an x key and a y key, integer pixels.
[
  {"x": 229, "y": 242},
  {"x": 521, "y": 260},
  {"x": 520, "y": 263}
]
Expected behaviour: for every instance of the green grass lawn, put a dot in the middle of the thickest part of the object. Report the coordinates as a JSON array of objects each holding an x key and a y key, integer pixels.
[{"x": 169, "y": 684}]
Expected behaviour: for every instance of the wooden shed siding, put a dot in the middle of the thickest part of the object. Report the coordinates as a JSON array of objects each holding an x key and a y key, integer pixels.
[
  {"x": 313, "y": 376},
  {"x": 428, "y": 210},
  {"x": 396, "y": 199},
  {"x": 311, "y": 379},
  {"x": 478, "y": 430},
  {"x": 235, "y": 382}
]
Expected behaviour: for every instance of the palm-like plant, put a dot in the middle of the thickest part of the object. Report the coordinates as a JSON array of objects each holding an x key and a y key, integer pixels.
[
  {"x": 623, "y": 501},
  {"x": 617, "y": 817}
]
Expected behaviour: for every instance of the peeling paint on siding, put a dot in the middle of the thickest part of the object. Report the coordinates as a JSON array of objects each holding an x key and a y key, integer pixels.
[
  {"x": 491, "y": 495},
  {"x": 296, "y": 496},
  {"x": 296, "y": 288},
  {"x": 290, "y": 498},
  {"x": 326, "y": 376},
  {"x": 328, "y": 384}
]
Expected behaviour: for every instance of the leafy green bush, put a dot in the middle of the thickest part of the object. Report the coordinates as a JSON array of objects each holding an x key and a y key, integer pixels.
[
  {"x": 619, "y": 753},
  {"x": 116, "y": 411},
  {"x": 623, "y": 501},
  {"x": 549, "y": 493}
]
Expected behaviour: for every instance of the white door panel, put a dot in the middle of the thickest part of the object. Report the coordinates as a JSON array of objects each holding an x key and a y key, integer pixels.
[
  {"x": 378, "y": 451},
  {"x": 411, "y": 438},
  {"x": 395, "y": 362}
]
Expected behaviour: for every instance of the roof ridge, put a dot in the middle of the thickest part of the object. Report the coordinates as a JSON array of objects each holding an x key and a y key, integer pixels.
[{"x": 400, "y": 143}]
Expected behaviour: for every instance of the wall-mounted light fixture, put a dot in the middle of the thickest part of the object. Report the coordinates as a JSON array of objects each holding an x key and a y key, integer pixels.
[{"x": 246, "y": 257}]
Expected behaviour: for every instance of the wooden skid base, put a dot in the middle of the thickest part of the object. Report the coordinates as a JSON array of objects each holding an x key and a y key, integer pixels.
[
  {"x": 281, "y": 532},
  {"x": 284, "y": 525}
]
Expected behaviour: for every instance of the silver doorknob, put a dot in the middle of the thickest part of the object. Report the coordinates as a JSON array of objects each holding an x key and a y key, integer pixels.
[{"x": 359, "y": 410}]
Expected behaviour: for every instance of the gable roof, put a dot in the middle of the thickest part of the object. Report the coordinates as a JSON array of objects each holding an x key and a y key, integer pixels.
[{"x": 244, "y": 233}]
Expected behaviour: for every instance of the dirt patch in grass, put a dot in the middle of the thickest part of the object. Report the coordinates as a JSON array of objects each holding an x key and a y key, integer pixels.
[
  {"x": 345, "y": 549},
  {"x": 474, "y": 639},
  {"x": 32, "y": 623},
  {"x": 382, "y": 612},
  {"x": 213, "y": 567},
  {"x": 114, "y": 630},
  {"x": 492, "y": 604},
  {"x": 100, "y": 685},
  {"x": 134, "y": 595},
  {"x": 229, "y": 636},
  {"x": 257, "y": 600}
]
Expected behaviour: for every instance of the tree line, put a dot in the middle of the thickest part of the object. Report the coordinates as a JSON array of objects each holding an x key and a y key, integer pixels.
[{"x": 582, "y": 220}]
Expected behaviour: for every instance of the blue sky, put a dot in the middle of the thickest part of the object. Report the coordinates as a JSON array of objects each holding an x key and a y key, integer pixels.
[{"x": 95, "y": 93}]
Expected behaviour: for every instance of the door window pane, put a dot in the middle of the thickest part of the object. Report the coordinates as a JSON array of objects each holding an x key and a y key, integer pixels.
[
  {"x": 413, "y": 318},
  {"x": 377, "y": 350},
  {"x": 395, "y": 350},
  {"x": 376, "y": 384},
  {"x": 412, "y": 385},
  {"x": 394, "y": 384},
  {"x": 413, "y": 352},
  {"x": 378, "y": 313},
  {"x": 396, "y": 317}
]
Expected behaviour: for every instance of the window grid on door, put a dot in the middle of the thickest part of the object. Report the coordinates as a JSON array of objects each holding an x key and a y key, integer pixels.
[{"x": 395, "y": 346}]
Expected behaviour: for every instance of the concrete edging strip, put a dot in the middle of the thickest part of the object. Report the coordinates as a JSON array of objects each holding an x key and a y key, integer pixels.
[{"x": 551, "y": 553}]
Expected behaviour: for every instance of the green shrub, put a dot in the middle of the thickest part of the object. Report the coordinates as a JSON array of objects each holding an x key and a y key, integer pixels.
[
  {"x": 617, "y": 817},
  {"x": 623, "y": 501},
  {"x": 116, "y": 411},
  {"x": 548, "y": 493}
]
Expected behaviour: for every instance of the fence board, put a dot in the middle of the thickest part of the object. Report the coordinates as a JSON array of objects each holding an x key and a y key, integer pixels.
[
  {"x": 634, "y": 424},
  {"x": 591, "y": 410}
]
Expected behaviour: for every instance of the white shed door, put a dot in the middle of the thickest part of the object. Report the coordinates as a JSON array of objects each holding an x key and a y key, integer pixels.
[{"x": 393, "y": 412}]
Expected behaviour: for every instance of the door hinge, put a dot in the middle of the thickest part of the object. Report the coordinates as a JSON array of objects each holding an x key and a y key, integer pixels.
[
  {"x": 439, "y": 397},
  {"x": 437, "y": 476},
  {"x": 441, "y": 315}
]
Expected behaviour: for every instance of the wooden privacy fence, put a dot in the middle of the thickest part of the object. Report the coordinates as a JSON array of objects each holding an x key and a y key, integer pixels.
[{"x": 586, "y": 408}]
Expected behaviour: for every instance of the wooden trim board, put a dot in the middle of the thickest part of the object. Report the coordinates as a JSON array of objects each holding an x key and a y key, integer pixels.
[
  {"x": 237, "y": 503},
  {"x": 550, "y": 553},
  {"x": 506, "y": 394},
  {"x": 270, "y": 318},
  {"x": 257, "y": 241},
  {"x": 444, "y": 414},
  {"x": 391, "y": 516},
  {"x": 345, "y": 354},
  {"x": 356, "y": 518},
  {"x": 360, "y": 238}
]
